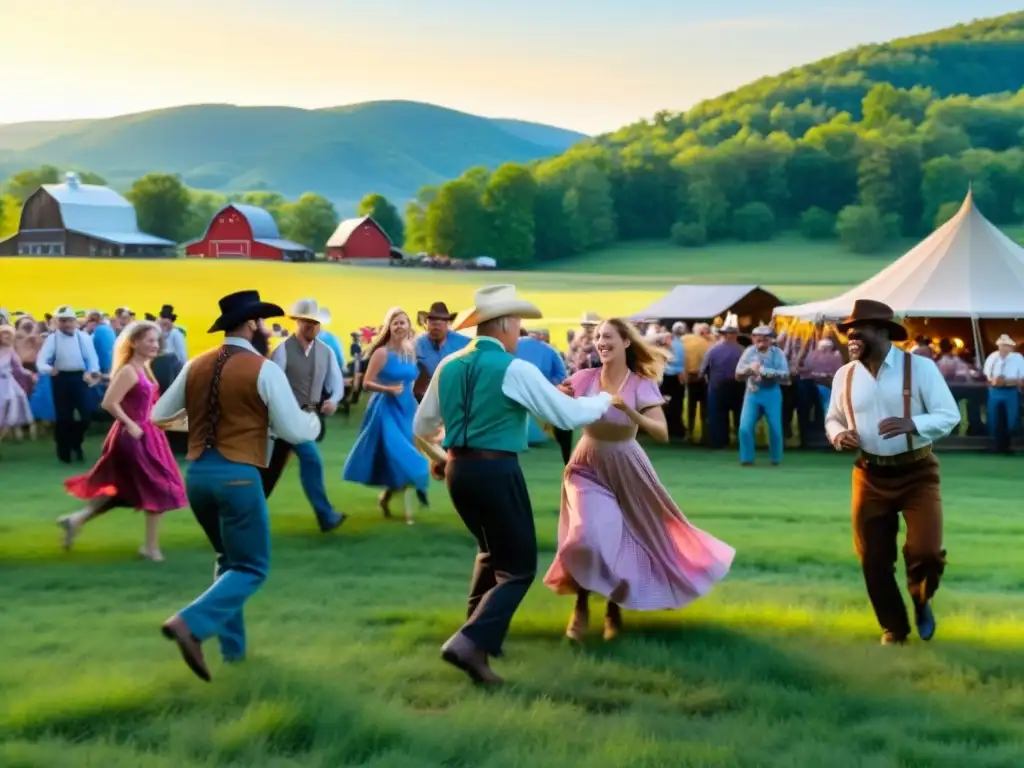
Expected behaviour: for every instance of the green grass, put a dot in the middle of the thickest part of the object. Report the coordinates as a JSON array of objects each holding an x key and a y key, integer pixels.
[{"x": 779, "y": 666}]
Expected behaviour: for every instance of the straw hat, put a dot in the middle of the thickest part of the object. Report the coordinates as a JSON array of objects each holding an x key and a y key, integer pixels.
[
  {"x": 731, "y": 324},
  {"x": 590, "y": 318},
  {"x": 764, "y": 330},
  {"x": 494, "y": 301},
  {"x": 65, "y": 312},
  {"x": 309, "y": 310},
  {"x": 1005, "y": 341}
]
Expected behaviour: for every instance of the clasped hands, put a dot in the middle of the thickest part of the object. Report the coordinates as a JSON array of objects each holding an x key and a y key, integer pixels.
[{"x": 891, "y": 427}]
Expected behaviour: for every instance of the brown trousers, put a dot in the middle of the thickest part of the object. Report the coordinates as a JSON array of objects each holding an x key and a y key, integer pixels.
[{"x": 879, "y": 495}]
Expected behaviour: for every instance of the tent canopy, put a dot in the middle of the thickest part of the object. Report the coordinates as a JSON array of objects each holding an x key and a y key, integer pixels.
[
  {"x": 966, "y": 268},
  {"x": 705, "y": 302}
]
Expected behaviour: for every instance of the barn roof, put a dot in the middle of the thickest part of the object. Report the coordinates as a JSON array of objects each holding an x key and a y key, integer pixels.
[
  {"x": 701, "y": 301},
  {"x": 345, "y": 229},
  {"x": 264, "y": 228},
  {"x": 99, "y": 212}
]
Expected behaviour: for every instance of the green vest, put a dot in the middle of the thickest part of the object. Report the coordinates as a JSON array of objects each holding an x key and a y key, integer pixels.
[{"x": 475, "y": 412}]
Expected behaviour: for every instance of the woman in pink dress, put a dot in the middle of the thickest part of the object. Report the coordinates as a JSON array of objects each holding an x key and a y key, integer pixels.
[
  {"x": 619, "y": 532},
  {"x": 15, "y": 413},
  {"x": 137, "y": 468}
]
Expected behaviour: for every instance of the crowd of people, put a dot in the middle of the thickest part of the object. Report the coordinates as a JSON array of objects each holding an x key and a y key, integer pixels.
[{"x": 444, "y": 405}]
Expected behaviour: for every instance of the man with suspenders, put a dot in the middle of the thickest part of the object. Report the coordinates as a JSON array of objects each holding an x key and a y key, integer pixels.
[{"x": 890, "y": 406}]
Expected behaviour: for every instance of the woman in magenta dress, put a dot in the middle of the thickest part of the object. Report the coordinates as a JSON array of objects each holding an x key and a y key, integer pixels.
[
  {"x": 619, "y": 532},
  {"x": 137, "y": 468}
]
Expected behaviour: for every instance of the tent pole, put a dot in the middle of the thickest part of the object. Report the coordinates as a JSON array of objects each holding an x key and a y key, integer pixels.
[{"x": 978, "y": 353}]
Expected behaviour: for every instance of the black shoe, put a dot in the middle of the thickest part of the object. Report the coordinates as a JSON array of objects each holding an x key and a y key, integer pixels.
[
  {"x": 890, "y": 638},
  {"x": 79, "y": 455},
  {"x": 925, "y": 620},
  {"x": 421, "y": 496},
  {"x": 334, "y": 523}
]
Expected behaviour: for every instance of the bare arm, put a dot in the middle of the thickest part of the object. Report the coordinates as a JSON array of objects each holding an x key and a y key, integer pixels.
[
  {"x": 652, "y": 421},
  {"x": 373, "y": 369},
  {"x": 126, "y": 378}
]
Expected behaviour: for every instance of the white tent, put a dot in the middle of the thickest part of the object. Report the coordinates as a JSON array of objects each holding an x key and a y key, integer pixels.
[{"x": 966, "y": 268}]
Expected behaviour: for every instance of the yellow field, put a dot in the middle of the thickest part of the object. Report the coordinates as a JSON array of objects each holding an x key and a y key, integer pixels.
[{"x": 357, "y": 296}]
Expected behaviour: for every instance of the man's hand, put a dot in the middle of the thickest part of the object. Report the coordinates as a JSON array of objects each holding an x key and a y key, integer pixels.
[
  {"x": 328, "y": 408},
  {"x": 894, "y": 427},
  {"x": 848, "y": 441},
  {"x": 566, "y": 388},
  {"x": 437, "y": 469}
]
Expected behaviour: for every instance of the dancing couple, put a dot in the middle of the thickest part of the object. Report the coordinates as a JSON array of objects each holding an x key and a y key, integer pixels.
[{"x": 620, "y": 535}]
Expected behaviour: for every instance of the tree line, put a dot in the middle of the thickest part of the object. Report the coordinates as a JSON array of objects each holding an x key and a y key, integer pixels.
[{"x": 167, "y": 208}]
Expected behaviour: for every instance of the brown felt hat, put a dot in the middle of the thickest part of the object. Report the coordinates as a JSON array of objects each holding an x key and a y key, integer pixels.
[{"x": 869, "y": 312}]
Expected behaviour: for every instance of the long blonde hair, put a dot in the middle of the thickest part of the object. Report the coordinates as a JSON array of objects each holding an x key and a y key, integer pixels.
[
  {"x": 124, "y": 347},
  {"x": 383, "y": 338},
  {"x": 642, "y": 358}
]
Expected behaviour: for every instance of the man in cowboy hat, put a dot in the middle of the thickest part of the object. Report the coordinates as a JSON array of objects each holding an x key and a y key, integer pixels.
[
  {"x": 70, "y": 358},
  {"x": 318, "y": 385},
  {"x": 437, "y": 343},
  {"x": 233, "y": 397},
  {"x": 481, "y": 397},
  {"x": 173, "y": 338},
  {"x": 763, "y": 368},
  {"x": 1004, "y": 372},
  {"x": 890, "y": 405},
  {"x": 725, "y": 393}
]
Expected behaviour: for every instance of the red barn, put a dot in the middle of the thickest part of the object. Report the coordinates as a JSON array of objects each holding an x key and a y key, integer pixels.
[
  {"x": 245, "y": 232},
  {"x": 359, "y": 239}
]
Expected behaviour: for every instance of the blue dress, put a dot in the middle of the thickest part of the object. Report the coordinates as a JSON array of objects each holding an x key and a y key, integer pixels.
[
  {"x": 41, "y": 401},
  {"x": 385, "y": 454}
]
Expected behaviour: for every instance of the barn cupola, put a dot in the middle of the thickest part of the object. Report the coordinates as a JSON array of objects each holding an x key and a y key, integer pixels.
[{"x": 71, "y": 179}]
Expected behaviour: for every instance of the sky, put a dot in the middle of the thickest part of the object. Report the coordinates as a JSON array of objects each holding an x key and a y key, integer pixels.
[{"x": 590, "y": 65}]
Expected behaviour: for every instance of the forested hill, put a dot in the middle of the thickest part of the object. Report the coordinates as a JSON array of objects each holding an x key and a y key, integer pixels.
[{"x": 871, "y": 144}]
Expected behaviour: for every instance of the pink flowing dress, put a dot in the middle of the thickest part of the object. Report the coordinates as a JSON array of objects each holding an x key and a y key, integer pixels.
[
  {"x": 140, "y": 474},
  {"x": 14, "y": 407},
  {"x": 619, "y": 532}
]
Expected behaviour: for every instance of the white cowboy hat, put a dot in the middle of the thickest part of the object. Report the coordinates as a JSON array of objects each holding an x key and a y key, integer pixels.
[
  {"x": 309, "y": 309},
  {"x": 64, "y": 312},
  {"x": 493, "y": 301},
  {"x": 590, "y": 318},
  {"x": 1005, "y": 341},
  {"x": 731, "y": 324},
  {"x": 764, "y": 330}
]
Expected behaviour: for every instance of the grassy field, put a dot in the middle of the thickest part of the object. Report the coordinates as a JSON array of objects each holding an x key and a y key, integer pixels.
[
  {"x": 778, "y": 667},
  {"x": 622, "y": 280}
]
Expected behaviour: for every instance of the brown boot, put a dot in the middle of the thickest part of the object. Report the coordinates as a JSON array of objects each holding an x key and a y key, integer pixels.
[
  {"x": 462, "y": 654},
  {"x": 612, "y": 621},
  {"x": 191, "y": 651}
]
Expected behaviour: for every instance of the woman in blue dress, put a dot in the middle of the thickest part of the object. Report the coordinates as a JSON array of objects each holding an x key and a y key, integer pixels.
[{"x": 385, "y": 452}]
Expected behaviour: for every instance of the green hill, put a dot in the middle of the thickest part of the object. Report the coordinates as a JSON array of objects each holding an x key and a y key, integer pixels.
[
  {"x": 392, "y": 147},
  {"x": 869, "y": 146}
]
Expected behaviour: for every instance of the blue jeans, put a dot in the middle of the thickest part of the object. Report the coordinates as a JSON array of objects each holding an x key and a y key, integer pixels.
[
  {"x": 826, "y": 397},
  {"x": 1000, "y": 398},
  {"x": 228, "y": 502},
  {"x": 765, "y": 402},
  {"x": 311, "y": 475}
]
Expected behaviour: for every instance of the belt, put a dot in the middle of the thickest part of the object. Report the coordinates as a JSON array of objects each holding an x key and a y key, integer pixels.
[
  {"x": 480, "y": 453},
  {"x": 899, "y": 460}
]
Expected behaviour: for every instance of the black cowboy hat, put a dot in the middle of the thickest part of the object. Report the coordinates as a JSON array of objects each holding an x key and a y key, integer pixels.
[
  {"x": 167, "y": 313},
  {"x": 237, "y": 308},
  {"x": 438, "y": 311},
  {"x": 869, "y": 312}
]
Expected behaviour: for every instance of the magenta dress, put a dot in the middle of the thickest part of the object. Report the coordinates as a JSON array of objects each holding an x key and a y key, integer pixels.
[
  {"x": 620, "y": 535},
  {"x": 141, "y": 474}
]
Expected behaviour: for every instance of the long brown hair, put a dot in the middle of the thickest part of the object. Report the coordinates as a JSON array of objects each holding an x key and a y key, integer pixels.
[
  {"x": 642, "y": 358},
  {"x": 124, "y": 347},
  {"x": 383, "y": 338}
]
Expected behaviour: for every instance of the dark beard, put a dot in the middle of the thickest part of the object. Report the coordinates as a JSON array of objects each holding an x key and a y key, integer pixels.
[{"x": 261, "y": 343}]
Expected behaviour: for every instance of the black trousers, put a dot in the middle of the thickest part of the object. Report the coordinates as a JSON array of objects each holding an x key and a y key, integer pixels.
[
  {"x": 70, "y": 395},
  {"x": 490, "y": 496},
  {"x": 564, "y": 439},
  {"x": 278, "y": 461},
  {"x": 724, "y": 400},
  {"x": 675, "y": 390},
  {"x": 697, "y": 395}
]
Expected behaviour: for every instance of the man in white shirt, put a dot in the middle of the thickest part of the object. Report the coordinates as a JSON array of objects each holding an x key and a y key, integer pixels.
[
  {"x": 1004, "y": 371},
  {"x": 69, "y": 356},
  {"x": 318, "y": 385},
  {"x": 476, "y": 406},
  {"x": 233, "y": 398},
  {"x": 891, "y": 406}
]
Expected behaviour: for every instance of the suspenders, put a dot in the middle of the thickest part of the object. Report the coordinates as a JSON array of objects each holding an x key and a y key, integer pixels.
[{"x": 907, "y": 393}]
